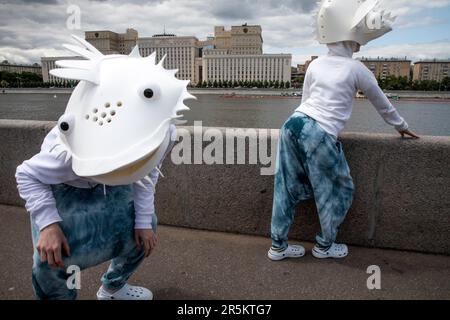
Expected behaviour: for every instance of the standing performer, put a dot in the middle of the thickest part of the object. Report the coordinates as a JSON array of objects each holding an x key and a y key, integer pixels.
[
  {"x": 90, "y": 190},
  {"x": 311, "y": 162}
]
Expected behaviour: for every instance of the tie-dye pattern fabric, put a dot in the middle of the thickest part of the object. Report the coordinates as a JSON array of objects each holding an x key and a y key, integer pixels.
[
  {"x": 98, "y": 228},
  {"x": 310, "y": 164}
]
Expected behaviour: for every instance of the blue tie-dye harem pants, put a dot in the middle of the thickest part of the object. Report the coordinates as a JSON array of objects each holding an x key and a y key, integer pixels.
[
  {"x": 310, "y": 164},
  {"x": 98, "y": 228}
]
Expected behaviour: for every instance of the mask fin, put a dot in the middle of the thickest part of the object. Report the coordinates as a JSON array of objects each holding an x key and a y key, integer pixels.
[
  {"x": 135, "y": 52},
  {"x": 362, "y": 11},
  {"x": 87, "y": 45}
]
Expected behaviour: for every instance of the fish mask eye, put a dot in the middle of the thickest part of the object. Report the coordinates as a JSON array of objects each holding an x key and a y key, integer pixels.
[
  {"x": 66, "y": 123},
  {"x": 150, "y": 92}
]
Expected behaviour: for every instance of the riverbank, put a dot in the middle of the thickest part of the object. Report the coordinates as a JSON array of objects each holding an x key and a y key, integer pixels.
[{"x": 239, "y": 92}]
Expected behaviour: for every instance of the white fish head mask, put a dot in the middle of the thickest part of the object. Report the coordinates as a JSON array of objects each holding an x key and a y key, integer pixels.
[
  {"x": 116, "y": 124},
  {"x": 351, "y": 20}
]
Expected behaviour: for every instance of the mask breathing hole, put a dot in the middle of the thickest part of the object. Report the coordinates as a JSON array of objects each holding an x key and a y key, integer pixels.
[
  {"x": 95, "y": 119},
  {"x": 108, "y": 120},
  {"x": 103, "y": 114},
  {"x": 100, "y": 123},
  {"x": 95, "y": 110},
  {"x": 113, "y": 113},
  {"x": 119, "y": 104},
  {"x": 107, "y": 105},
  {"x": 86, "y": 117}
]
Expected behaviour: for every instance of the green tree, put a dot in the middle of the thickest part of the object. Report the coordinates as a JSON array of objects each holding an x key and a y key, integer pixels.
[{"x": 276, "y": 84}]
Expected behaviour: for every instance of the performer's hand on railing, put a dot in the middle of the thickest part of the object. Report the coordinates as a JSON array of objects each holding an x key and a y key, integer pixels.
[
  {"x": 146, "y": 238},
  {"x": 408, "y": 133},
  {"x": 51, "y": 244}
]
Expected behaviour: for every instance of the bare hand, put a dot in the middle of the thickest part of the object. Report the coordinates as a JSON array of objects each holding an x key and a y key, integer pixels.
[
  {"x": 147, "y": 239},
  {"x": 50, "y": 245},
  {"x": 408, "y": 133}
]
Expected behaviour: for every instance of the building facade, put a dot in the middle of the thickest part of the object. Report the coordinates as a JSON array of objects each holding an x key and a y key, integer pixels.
[
  {"x": 303, "y": 68},
  {"x": 181, "y": 53},
  {"x": 108, "y": 42},
  {"x": 237, "y": 55},
  {"x": 383, "y": 68},
  {"x": 48, "y": 63},
  {"x": 222, "y": 66},
  {"x": 240, "y": 40},
  {"x": 19, "y": 68},
  {"x": 431, "y": 70}
]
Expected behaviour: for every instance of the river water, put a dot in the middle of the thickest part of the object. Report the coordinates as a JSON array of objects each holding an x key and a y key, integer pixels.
[{"x": 425, "y": 117}]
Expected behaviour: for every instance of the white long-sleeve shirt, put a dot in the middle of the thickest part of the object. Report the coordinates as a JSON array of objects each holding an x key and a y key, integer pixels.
[
  {"x": 330, "y": 86},
  {"x": 36, "y": 175}
]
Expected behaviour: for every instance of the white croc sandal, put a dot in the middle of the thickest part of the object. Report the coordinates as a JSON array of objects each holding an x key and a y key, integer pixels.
[
  {"x": 127, "y": 292},
  {"x": 336, "y": 251},
  {"x": 294, "y": 251}
]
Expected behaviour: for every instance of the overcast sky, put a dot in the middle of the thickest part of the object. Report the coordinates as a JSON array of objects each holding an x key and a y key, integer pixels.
[{"x": 30, "y": 29}]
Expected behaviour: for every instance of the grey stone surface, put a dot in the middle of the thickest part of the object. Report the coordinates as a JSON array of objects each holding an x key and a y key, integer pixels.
[
  {"x": 402, "y": 199},
  {"x": 19, "y": 140},
  {"x": 193, "y": 264}
]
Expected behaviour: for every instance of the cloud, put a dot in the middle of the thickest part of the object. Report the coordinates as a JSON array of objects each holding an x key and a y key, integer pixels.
[{"x": 38, "y": 27}]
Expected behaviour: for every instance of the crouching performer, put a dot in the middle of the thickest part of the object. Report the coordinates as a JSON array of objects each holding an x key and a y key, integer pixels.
[{"x": 90, "y": 189}]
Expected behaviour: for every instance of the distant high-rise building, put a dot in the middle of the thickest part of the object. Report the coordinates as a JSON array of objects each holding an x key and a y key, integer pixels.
[
  {"x": 181, "y": 53},
  {"x": 383, "y": 68},
  {"x": 108, "y": 42},
  {"x": 243, "y": 39},
  {"x": 237, "y": 55},
  {"x": 431, "y": 70}
]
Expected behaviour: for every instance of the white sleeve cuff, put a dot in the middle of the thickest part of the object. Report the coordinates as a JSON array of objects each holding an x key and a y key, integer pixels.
[
  {"x": 141, "y": 225},
  {"x": 46, "y": 218},
  {"x": 404, "y": 126}
]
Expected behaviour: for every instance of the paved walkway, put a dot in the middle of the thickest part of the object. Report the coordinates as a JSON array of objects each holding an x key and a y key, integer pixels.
[{"x": 191, "y": 264}]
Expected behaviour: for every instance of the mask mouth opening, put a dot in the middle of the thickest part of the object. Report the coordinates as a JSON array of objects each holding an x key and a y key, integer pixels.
[{"x": 128, "y": 170}]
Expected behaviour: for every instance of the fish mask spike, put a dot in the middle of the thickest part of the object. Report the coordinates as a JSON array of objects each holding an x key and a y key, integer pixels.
[
  {"x": 159, "y": 171},
  {"x": 189, "y": 96},
  {"x": 141, "y": 184},
  {"x": 150, "y": 181},
  {"x": 161, "y": 62},
  {"x": 152, "y": 57},
  {"x": 135, "y": 52},
  {"x": 87, "y": 45}
]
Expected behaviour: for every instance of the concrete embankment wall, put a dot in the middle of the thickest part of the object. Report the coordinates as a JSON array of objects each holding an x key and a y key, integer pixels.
[{"x": 402, "y": 190}]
